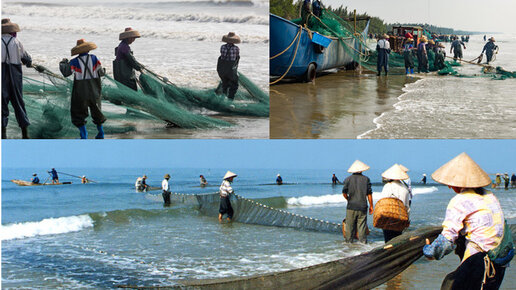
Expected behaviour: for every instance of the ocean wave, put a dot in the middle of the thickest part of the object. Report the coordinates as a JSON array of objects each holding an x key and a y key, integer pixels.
[
  {"x": 50, "y": 226},
  {"x": 423, "y": 190}
]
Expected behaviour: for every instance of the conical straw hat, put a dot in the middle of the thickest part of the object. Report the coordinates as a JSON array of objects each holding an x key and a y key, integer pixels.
[
  {"x": 395, "y": 173},
  {"x": 9, "y": 27},
  {"x": 229, "y": 174},
  {"x": 358, "y": 166},
  {"x": 462, "y": 171},
  {"x": 128, "y": 33},
  {"x": 231, "y": 38},
  {"x": 83, "y": 46},
  {"x": 404, "y": 168}
]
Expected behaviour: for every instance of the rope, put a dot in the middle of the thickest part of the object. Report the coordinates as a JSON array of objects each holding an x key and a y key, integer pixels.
[
  {"x": 489, "y": 270},
  {"x": 293, "y": 40},
  {"x": 298, "y": 36},
  {"x": 80, "y": 177}
]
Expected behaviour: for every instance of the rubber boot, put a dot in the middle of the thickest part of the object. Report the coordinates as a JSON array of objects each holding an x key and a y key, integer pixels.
[
  {"x": 378, "y": 74},
  {"x": 4, "y": 132},
  {"x": 25, "y": 133},
  {"x": 100, "y": 134},
  {"x": 83, "y": 132},
  {"x": 406, "y": 71},
  {"x": 411, "y": 71}
]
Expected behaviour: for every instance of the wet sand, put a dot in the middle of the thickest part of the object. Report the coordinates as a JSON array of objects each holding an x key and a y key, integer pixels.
[{"x": 339, "y": 105}]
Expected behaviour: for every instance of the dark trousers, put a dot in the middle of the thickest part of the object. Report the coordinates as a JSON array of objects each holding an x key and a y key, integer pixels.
[
  {"x": 356, "y": 221},
  {"x": 166, "y": 197},
  {"x": 12, "y": 92},
  {"x": 489, "y": 56},
  {"x": 225, "y": 207},
  {"x": 229, "y": 85},
  {"x": 86, "y": 95},
  {"x": 470, "y": 273}
]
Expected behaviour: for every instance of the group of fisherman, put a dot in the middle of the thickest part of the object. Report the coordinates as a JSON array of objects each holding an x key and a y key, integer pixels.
[
  {"x": 506, "y": 180},
  {"x": 55, "y": 177},
  {"x": 87, "y": 71},
  {"x": 421, "y": 50}
]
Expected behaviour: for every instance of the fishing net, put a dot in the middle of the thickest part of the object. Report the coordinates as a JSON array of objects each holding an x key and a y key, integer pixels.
[{"x": 48, "y": 105}]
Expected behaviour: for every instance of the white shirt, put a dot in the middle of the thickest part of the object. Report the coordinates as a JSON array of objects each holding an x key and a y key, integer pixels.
[
  {"x": 164, "y": 185},
  {"x": 398, "y": 190},
  {"x": 225, "y": 188},
  {"x": 383, "y": 43},
  {"x": 16, "y": 50}
]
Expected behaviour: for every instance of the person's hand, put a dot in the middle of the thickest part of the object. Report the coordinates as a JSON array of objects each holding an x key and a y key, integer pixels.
[
  {"x": 39, "y": 68},
  {"x": 370, "y": 210},
  {"x": 428, "y": 243}
]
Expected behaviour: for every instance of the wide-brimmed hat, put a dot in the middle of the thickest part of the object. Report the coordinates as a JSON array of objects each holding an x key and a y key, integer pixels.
[
  {"x": 9, "y": 27},
  {"x": 396, "y": 172},
  {"x": 441, "y": 45},
  {"x": 231, "y": 38},
  {"x": 358, "y": 166},
  {"x": 144, "y": 176},
  {"x": 431, "y": 41},
  {"x": 129, "y": 33},
  {"x": 83, "y": 47},
  {"x": 410, "y": 39},
  {"x": 463, "y": 172},
  {"x": 492, "y": 39},
  {"x": 278, "y": 174},
  {"x": 385, "y": 36},
  {"x": 34, "y": 174},
  {"x": 167, "y": 176},
  {"x": 404, "y": 168},
  {"x": 229, "y": 174},
  {"x": 423, "y": 39}
]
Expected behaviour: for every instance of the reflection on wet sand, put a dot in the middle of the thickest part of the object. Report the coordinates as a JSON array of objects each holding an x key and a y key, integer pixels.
[{"x": 338, "y": 105}]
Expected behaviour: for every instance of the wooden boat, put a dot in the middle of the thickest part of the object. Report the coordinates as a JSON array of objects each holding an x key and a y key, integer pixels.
[
  {"x": 28, "y": 183},
  {"x": 304, "y": 58}
]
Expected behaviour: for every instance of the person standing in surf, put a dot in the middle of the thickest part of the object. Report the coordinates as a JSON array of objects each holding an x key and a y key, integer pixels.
[
  {"x": 13, "y": 56},
  {"x": 87, "y": 87},
  {"x": 225, "y": 191},
  {"x": 357, "y": 192},
  {"x": 474, "y": 224},
  {"x": 202, "y": 180},
  {"x": 383, "y": 47},
  {"x": 422, "y": 56},
  {"x": 166, "y": 190},
  {"x": 490, "y": 49},
  {"x": 408, "y": 56},
  {"x": 456, "y": 48},
  {"x": 125, "y": 64},
  {"x": 227, "y": 65}
]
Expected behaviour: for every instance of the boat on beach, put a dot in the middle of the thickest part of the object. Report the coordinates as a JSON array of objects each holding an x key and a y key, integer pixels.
[
  {"x": 28, "y": 183},
  {"x": 297, "y": 52}
]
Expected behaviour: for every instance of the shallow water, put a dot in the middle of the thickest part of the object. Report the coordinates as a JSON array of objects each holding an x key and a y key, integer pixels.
[{"x": 104, "y": 234}]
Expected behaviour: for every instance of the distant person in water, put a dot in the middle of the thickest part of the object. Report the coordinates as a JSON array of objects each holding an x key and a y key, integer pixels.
[
  {"x": 383, "y": 47},
  {"x": 424, "y": 178},
  {"x": 225, "y": 191},
  {"x": 408, "y": 56},
  {"x": 55, "y": 177},
  {"x": 202, "y": 180},
  {"x": 165, "y": 186},
  {"x": 513, "y": 180},
  {"x": 84, "y": 179},
  {"x": 125, "y": 64},
  {"x": 334, "y": 179},
  {"x": 490, "y": 49},
  {"x": 279, "y": 180},
  {"x": 227, "y": 65},
  {"x": 456, "y": 48},
  {"x": 498, "y": 179},
  {"x": 35, "y": 178},
  {"x": 506, "y": 181}
]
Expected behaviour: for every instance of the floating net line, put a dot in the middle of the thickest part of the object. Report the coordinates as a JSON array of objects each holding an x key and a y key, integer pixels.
[
  {"x": 48, "y": 105},
  {"x": 251, "y": 212}
]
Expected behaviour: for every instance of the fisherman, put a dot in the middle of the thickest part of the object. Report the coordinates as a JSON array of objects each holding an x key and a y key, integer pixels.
[
  {"x": 513, "y": 180},
  {"x": 316, "y": 8},
  {"x": 334, "y": 179},
  {"x": 141, "y": 183},
  {"x": 422, "y": 56},
  {"x": 490, "y": 48},
  {"x": 439, "y": 57},
  {"x": 476, "y": 215},
  {"x": 84, "y": 179},
  {"x": 396, "y": 187},
  {"x": 202, "y": 180},
  {"x": 357, "y": 192},
  {"x": 498, "y": 179},
  {"x": 13, "y": 56},
  {"x": 166, "y": 190},
  {"x": 225, "y": 191},
  {"x": 383, "y": 47},
  {"x": 506, "y": 181},
  {"x": 456, "y": 47},
  {"x": 35, "y": 179},
  {"x": 424, "y": 178},
  {"x": 86, "y": 91},
  {"x": 306, "y": 13},
  {"x": 227, "y": 65},
  {"x": 125, "y": 64},
  {"x": 55, "y": 177},
  {"x": 279, "y": 180},
  {"x": 408, "y": 52}
]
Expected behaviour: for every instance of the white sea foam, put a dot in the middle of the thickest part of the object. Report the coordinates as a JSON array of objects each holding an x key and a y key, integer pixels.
[{"x": 50, "y": 226}]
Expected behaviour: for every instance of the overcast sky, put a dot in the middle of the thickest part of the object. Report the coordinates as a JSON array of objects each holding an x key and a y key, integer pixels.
[
  {"x": 471, "y": 15},
  {"x": 422, "y": 155}
]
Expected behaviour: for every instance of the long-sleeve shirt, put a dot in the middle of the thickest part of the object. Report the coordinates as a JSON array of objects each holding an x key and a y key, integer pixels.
[
  {"x": 225, "y": 188},
  {"x": 489, "y": 47},
  {"x": 229, "y": 51},
  {"x": 13, "y": 51},
  {"x": 398, "y": 190},
  {"x": 357, "y": 187},
  {"x": 164, "y": 185},
  {"x": 85, "y": 66}
]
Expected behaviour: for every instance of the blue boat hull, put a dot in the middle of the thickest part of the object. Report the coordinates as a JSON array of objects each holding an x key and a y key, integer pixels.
[{"x": 283, "y": 32}]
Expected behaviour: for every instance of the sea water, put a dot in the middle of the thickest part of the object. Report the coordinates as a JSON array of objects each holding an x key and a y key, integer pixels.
[
  {"x": 105, "y": 234},
  {"x": 179, "y": 39}
]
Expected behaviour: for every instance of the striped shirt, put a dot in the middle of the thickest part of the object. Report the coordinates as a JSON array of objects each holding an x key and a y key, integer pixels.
[
  {"x": 225, "y": 188},
  {"x": 479, "y": 217},
  {"x": 12, "y": 50},
  {"x": 229, "y": 51},
  {"x": 85, "y": 66}
]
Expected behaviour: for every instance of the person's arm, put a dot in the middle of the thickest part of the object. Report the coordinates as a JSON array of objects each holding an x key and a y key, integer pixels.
[
  {"x": 484, "y": 49},
  {"x": 26, "y": 59},
  {"x": 371, "y": 206},
  {"x": 65, "y": 68},
  {"x": 345, "y": 189},
  {"x": 439, "y": 248},
  {"x": 133, "y": 62}
]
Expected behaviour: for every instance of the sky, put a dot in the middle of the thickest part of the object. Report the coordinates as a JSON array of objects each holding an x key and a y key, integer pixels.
[
  {"x": 420, "y": 155},
  {"x": 471, "y": 15}
]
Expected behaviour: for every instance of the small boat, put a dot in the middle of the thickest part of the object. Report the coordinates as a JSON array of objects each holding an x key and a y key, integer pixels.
[
  {"x": 28, "y": 183},
  {"x": 299, "y": 53}
]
